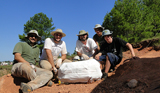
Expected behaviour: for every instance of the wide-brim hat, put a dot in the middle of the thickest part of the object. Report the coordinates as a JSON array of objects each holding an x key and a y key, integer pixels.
[
  {"x": 33, "y": 32},
  {"x": 58, "y": 31},
  {"x": 106, "y": 32},
  {"x": 82, "y": 32},
  {"x": 98, "y": 26}
]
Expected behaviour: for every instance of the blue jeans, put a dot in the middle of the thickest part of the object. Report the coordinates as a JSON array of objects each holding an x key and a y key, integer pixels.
[{"x": 114, "y": 59}]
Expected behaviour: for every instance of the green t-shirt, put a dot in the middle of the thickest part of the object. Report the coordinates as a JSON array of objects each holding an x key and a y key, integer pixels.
[
  {"x": 29, "y": 53},
  {"x": 99, "y": 39}
]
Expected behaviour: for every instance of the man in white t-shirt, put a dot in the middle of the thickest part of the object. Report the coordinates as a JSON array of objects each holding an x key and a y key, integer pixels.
[
  {"x": 53, "y": 47},
  {"x": 85, "y": 47}
]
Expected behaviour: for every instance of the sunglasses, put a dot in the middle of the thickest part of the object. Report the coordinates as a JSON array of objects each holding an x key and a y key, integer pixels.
[
  {"x": 33, "y": 36},
  {"x": 58, "y": 35}
]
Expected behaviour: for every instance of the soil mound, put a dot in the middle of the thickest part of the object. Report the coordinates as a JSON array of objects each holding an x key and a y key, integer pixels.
[{"x": 145, "y": 70}]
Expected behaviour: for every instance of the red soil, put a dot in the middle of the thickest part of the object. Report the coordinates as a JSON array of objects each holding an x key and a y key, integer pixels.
[{"x": 145, "y": 70}]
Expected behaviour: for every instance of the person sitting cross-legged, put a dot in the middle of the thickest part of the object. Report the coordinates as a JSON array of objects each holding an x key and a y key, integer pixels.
[
  {"x": 26, "y": 54},
  {"x": 85, "y": 47}
]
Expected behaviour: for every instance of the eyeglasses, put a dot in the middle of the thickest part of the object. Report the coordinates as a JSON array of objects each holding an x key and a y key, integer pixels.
[
  {"x": 33, "y": 36},
  {"x": 58, "y": 35}
]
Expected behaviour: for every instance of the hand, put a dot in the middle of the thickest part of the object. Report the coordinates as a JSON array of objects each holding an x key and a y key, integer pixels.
[
  {"x": 33, "y": 67},
  {"x": 97, "y": 57},
  {"x": 55, "y": 70},
  {"x": 135, "y": 57},
  {"x": 59, "y": 62},
  {"x": 85, "y": 56}
]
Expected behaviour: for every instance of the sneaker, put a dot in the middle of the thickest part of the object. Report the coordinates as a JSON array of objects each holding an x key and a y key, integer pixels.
[
  {"x": 25, "y": 88},
  {"x": 49, "y": 83},
  {"x": 104, "y": 76}
]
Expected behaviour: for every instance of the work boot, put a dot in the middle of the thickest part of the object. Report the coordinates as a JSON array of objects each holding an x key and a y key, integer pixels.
[
  {"x": 49, "y": 83},
  {"x": 25, "y": 88},
  {"x": 104, "y": 76}
]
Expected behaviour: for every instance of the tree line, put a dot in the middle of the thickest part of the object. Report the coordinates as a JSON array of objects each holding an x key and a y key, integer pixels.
[{"x": 134, "y": 20}]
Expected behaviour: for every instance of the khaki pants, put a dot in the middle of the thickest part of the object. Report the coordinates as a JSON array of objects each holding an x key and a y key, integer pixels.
[
  {"x": 37, "y": 79},
  {"x": 46, "y": 65}
]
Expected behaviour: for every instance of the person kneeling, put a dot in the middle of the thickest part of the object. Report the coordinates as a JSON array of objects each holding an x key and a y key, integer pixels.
[{"x": 111, "y": 52}]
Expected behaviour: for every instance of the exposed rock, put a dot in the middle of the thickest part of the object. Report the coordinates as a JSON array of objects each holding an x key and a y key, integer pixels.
[{"x": 132, "y": 83}]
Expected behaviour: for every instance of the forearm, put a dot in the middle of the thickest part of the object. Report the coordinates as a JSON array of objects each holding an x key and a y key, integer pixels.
[
  {"x": 98, "y": 55},
  {"x": 19, "y": 58},
  {"x": 98, "y": 46},
  {"x": 63, "y": 57},
  {"x": 96, "y": 52},
  {"x": 79, "y": 54},
  {"x": 51, "y": 61},
  {"x": 50, "y": 57},
  {"x": 131, "y": 49}
]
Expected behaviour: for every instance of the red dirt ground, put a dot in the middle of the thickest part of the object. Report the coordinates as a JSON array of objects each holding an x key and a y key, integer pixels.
[{"x": 145, "y": 70}]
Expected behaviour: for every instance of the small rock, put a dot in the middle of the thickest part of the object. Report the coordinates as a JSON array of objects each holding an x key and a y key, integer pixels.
[{"x": 132, "y": 83}]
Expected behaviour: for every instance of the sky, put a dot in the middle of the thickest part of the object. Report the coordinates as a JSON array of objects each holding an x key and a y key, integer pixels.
[{"x": 69, "y": 15}]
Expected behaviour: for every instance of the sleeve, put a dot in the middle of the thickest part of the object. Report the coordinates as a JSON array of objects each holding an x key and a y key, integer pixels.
[
  {"x": 18, "y": 48},
  {"x": 93, "y": 44},
  {"x": 122, "y": 42},
  {"x": 77, "y": 47},
  {"x": 64, "y": 49},
  {"x": 47, "y": 44}
]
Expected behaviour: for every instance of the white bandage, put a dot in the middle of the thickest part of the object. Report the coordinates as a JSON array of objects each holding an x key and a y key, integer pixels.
[
  {"x": 58, "y": 63},
  {"x": 55, "y": 70},
  {"x": 33, "y": 66},
  {"x": 85, "y": 56}
]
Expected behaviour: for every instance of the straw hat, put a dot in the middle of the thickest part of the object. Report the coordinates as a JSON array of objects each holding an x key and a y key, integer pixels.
[
  {"x": 82, "y": 32},
  {"x": 58, "y": 31}
]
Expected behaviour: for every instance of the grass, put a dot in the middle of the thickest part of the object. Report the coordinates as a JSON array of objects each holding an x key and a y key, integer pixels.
[{"x": 4, "y": 70}]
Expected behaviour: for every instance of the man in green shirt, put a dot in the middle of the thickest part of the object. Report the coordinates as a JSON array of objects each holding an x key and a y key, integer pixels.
[
  {"x": 98, "y": 38},
  {"x": 26, "y": 54}
]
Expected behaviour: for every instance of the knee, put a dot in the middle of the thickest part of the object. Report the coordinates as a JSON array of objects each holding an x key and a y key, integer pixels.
[
  {"x": 25, "y": 67},
  {"x": 49, "y": 73},
  {"x": 45, "y": 65}
]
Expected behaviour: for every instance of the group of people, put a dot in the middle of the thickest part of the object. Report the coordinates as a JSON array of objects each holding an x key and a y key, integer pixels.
[{"x": 103, "y": 47}]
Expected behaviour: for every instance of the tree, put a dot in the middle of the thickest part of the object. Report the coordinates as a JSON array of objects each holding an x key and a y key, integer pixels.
[
  {"x": 42, "y": 24},
  {"x": 133, "y": 20}
]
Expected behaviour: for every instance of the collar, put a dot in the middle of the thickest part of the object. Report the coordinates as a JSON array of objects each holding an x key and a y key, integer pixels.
[{"x": 29, "y": 43}]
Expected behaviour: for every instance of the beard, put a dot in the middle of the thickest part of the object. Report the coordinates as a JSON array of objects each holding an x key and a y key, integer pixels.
[{"x": 57, "y": 40}]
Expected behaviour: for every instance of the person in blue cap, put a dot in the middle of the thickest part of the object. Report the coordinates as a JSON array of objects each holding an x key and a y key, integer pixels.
[{"x": 111, "y": 52}]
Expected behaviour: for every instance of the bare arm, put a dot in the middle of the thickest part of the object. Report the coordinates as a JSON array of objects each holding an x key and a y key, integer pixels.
[
  {"x": 63, "y": 57},
  {"x": 96, "y": 52},
  {"x": 97, "y": 45},
  {"x": 19, "y": 58},
  {"x": 79, "y": 54},
  {"x": 98, "y": 55},
  {"x": 131, "y": 49}
]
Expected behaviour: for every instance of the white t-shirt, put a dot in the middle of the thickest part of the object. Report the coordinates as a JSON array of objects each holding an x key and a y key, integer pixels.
[
  {"x": 56, "y": 49},
  {"x": 87, "y": 49}
]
